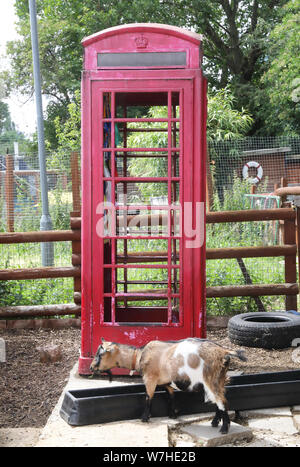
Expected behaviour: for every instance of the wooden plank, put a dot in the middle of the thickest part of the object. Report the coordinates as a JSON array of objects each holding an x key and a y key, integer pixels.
[
  {"x": 250, "y": 215},
  {"x": 77, "y": 297},
  {"x": 288, "y": 190},
  {"x": 9, "y": 192},
  {"x": 246, "y": 215},
  {"x": 290, "y": 262},
  {"x": 39, "y": 310},
  {"x": 75, "y": 223},
  {"x": 39, "y": 236},
  {"x": 211, "y": 253},
  {"x": 38, "y": 273},
  {"x": 298, "y": 238},
  {"x": 75, "y": 181},
  {"x": 252, "y": 290},
  {"x": 251, "y": 252}
]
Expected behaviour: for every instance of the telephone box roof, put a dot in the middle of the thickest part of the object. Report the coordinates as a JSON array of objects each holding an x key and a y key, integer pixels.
[{"x": 142, "y": 27}]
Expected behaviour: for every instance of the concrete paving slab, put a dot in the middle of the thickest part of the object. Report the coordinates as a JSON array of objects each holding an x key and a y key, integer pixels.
[
  {"x": 269, "y": 412},
  {"x": 159, "y": 431},
  {"x": 185, "y": 444},
  {"x": 296, "y": 420},
  {"x": 267, "y": 438},
  {"x": 205, "y": 435},
  {"x": 296, "y": 409},
  {"x": 275, "y": 424},
  {"x": 19, "y": 437},
  {"x": 131, "y": 433},
  {"x": 118, "y": 434}
]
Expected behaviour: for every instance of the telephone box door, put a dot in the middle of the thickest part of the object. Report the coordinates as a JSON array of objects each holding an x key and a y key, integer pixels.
[{"x": 143, "y": 260}]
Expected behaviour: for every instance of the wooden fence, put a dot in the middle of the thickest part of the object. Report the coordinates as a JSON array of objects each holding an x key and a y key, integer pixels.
[{"x": 291, "y": 222}]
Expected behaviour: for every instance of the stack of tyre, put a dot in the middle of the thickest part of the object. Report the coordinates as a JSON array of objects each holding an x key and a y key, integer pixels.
[{"x": 266, "y": 330}]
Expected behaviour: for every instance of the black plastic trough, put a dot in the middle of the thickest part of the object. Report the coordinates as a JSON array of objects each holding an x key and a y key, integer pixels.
[{"x": 116, "y": 403}]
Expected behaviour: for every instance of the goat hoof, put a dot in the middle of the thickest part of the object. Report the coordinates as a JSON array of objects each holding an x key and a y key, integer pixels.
[
  {"x": 215, "y": 423},
  {"x": 224, "y": 430},
  {"x": 145, "y": 419},
  {"x": 173, "y": 416}
]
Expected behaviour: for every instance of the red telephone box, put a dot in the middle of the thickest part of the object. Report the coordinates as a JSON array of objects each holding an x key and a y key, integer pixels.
[{"x": 143, "y": 187}]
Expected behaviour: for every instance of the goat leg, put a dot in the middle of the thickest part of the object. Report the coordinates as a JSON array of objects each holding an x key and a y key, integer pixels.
[
  {"x": 150, "y": 389},
  {"x": 226, "y": 422},
  {"x": 217, "y": 418},
  {"x": 147, "y": 412},
  {"x": 171, "y": 402}
]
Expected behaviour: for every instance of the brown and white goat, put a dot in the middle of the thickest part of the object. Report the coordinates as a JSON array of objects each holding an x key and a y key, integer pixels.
[{"x": 187, "y": 365}]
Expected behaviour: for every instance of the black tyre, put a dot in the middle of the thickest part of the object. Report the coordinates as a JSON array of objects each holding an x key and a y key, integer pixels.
[{"x": 270, "y": 330}]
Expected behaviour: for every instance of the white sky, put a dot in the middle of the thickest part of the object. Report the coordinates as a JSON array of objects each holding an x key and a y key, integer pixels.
[{"x": 22, "y": 111}]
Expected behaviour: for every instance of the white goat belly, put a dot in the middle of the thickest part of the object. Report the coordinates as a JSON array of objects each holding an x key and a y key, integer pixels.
[{"x": 184, "y": 349}]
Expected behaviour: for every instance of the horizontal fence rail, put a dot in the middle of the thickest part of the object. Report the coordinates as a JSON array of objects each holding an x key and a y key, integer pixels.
[{"x": 289, "y": 251}]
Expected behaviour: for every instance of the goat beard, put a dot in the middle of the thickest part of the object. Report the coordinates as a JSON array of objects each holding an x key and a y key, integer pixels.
[
  {"x": 109, "y": 375},
  {"x": 103, "y": 372}
]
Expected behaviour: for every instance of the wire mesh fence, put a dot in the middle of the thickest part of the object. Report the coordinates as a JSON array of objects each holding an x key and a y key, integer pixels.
[
  {"x": 229, "y": 188},
  {"x": 20, "y": 191},
  {"x": 21, "y": 210},
  {"x": 262, "y": 161},
  {"x": 243, "y": 174}
]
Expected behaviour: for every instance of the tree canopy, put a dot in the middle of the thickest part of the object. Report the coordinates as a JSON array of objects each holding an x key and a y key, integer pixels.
[
  {"x": 282, "y": 79},
  {"x": 238, "y": 35}
]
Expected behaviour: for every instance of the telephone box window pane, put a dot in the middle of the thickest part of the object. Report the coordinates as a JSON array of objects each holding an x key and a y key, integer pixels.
[
  {"x": 145, "y": 222},
  {"x": 138, "y": 104},
  {"x": 175, "y": 105},
  {"x": 142, "y": 134},
  {"x": 136, "y": 59},
  {"x": 142, "y": 165},
  {"x": 153, "y": 311},
  {"x": 141, "y": 251}
]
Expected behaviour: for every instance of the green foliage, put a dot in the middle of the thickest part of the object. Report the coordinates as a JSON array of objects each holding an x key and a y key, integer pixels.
[
  {"x": 38, "y": 291},
  {"x": 282, "y": 79},
  {"x": 224, "y": 122},
  {"x": 236, "y": 41},
  {"x": 227, "y": 271},
  {"x": 60, "y": 209},
  {"x": 234, "y": 198},
  {"x": 68, "y": 131}
]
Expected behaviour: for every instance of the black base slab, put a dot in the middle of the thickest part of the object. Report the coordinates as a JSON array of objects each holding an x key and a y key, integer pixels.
[{"x": 116, "y": 403}]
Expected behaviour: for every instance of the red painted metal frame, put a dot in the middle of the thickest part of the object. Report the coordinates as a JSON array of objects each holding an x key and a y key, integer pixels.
[{"x": 191, "y": 86}]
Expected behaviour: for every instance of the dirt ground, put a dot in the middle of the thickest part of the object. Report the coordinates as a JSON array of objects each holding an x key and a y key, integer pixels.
[{"x": 29, "y": 390}]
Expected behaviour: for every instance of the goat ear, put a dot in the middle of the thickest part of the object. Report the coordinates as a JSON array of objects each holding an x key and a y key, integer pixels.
[
  {"x": 110, "y": 347},
  {"x": 103, "y": 340}
]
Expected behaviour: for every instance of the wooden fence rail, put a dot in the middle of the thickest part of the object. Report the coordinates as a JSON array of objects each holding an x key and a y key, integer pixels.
[{"x": 289, "y": 251}]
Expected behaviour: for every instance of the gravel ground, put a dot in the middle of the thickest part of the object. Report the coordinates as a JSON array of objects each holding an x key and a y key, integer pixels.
[{"x": 29, "y": 389}]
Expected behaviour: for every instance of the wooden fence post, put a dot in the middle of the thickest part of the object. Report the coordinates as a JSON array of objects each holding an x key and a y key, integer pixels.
[
  {"x": 298, "y": 238},
  {"x": 75, "y": 181},
  {"x": 209, "y": 185},
  {"x": 283, "y": 184},
  {"x": 9, "y": 192},
  {"x": 290, "y": 262},
  {"x": 76, "y": 255}
]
